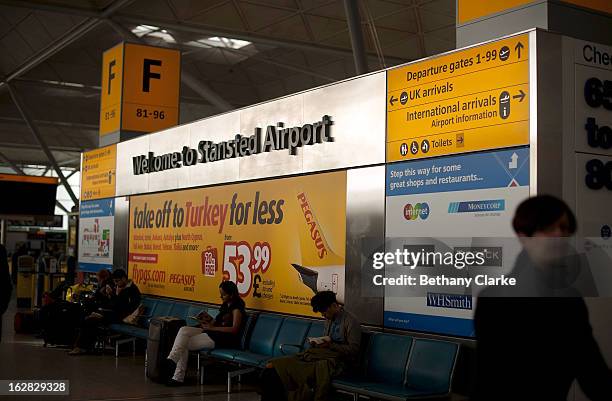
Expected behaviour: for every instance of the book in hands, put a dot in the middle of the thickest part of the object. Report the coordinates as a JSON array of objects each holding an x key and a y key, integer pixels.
[
  {"x": 319, "y": 340},
  {"x": 202, "y": 317}
]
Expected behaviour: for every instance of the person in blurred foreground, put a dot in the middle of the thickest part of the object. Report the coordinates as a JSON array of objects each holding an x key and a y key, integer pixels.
[
  {"x": 534, "y": 341},
  {"x": 6, "y": 287}
]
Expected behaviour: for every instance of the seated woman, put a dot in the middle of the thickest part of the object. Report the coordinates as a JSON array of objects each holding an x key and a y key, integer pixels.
[{"x": 220, "y": 332}]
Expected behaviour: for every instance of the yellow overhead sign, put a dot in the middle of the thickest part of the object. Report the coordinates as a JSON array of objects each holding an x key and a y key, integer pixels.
[
  {"x": 140, "y": 89},
  {"x": 469, "y": 100},
  {"x": 469, "y": 10},
  {"x": 150, "y": 88},
  {"x": 28, "y": 178},
  {"x": 110, "y": 99},
  {"x": 98, "y": 173},
  {"x": 598, "y": 5}
]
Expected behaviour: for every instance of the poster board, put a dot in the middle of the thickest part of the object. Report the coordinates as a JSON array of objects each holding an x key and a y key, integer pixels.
[{"x": 279, "y": 240}]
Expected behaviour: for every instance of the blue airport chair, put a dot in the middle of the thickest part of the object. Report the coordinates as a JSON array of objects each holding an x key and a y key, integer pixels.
[{"x": 291, "y": 336}]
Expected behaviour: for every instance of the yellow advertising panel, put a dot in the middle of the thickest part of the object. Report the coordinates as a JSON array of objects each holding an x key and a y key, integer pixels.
[
  {"x": 150, "y": 88},
  {"x": 98, "y": 173},
  {"x": 469, "y": 100},
  {"x": 280, "y": 241},
  {"x": 110, "y": 99}
]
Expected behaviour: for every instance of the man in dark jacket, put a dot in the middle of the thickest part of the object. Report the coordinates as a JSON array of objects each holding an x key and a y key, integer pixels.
[
  {"x": 6, "y": 288},
  {"x": 123, "y": 300},
  {"x": 532, "y": 347},
  {"x": 308, "y": 375}
]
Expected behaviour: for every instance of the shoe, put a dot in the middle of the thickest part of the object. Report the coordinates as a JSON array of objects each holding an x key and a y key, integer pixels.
[
  {"x": 77, "y": 351},
  {"x": 170, "y": 367},
  {"x": 174, "y": 383}
]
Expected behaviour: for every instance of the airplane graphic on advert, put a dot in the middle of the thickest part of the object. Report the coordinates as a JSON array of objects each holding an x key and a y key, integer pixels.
[{"x": 320, "y": 268}]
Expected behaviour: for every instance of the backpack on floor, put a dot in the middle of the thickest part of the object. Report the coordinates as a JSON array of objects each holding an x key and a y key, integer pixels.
[
  {"x": 24, "y": 323},
  {"x": 60, "y": 322}
]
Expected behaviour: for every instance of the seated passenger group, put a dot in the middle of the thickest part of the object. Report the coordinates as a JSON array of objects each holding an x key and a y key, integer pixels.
[{"x": 113, "y": 301}]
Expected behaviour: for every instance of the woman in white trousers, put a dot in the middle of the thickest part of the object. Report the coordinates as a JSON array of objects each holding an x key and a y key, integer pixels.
[{"x": 222, "y": 331}]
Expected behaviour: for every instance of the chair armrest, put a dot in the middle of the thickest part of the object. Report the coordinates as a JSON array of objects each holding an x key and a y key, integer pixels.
[{"x": 284, "y": 350}]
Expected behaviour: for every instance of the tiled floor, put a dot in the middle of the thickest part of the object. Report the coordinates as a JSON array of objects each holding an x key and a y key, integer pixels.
[
  {"x": 100, "y": 377},
  {"x": 104, "y": 377}
]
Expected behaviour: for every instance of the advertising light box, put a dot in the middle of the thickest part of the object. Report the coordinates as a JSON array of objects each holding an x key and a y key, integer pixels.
[
  {"x": 448, "y": 204},
  {"x": 280, "y": 241},
  {"x": 96, "y": 234}
]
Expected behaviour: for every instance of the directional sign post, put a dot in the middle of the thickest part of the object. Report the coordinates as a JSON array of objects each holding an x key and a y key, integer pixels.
[{"x": 464, "y": 101}]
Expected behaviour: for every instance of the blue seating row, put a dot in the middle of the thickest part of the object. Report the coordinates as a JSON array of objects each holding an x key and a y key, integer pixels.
[
  {"x": 399, "y": 367},
  {"x": 157, "y": 307},
  {"x": 392, "y": 367},
  {"x": 161, "y": 307}
]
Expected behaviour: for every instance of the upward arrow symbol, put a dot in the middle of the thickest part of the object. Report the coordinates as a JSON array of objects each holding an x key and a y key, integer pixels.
[
  {"x": 514, "y": 161},
  {"x": 518, "y": 48}
]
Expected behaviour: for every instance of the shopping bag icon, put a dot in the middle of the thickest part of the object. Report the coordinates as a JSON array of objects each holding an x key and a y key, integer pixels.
[{"x": 209, "y": 261}]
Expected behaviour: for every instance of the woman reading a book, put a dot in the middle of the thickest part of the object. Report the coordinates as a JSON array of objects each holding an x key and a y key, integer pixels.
[{"x": 222, "y": 331}]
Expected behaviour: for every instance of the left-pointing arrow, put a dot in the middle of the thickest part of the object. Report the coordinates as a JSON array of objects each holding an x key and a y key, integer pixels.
[
  {"x": 520, "y": 96},
  {"x": 392, "y": 100}
]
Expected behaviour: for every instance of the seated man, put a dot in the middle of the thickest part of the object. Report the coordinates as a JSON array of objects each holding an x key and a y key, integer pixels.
[
  {"x": 122, "y": 302},
  {"x": 104, "y": 292},
  {"x": 308, "y": 375}
]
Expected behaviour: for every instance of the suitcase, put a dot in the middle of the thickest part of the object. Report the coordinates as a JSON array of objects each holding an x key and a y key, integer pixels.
[
  {"x": 60, "y": 322},
  {"x": 162, "y": 332}
]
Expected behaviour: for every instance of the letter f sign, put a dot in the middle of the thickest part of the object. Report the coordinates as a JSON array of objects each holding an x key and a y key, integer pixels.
[
  {"x": 147, "y": 75},
  {"x": 111, "y": 74}
]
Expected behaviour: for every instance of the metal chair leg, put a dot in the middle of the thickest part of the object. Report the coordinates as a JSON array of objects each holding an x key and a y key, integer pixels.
[
  {"x": 202, "y": 375},
  {"x": 198, "y": 368}
]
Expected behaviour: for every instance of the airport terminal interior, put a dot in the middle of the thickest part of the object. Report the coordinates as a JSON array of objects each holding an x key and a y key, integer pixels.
[{"x": 295, "y": 200}]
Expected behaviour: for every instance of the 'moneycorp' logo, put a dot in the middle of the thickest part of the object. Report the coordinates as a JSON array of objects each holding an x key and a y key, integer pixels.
[
  {"x": 493, "y": 205},
  {"x": 411, "y": 212}
]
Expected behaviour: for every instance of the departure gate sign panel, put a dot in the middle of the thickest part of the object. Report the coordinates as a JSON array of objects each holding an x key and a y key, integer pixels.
[
  {"x": 140, "y": 89},
  {"x": 110, "y": 99},
  {"x": 470, "y": 100},
  {"x": 98, "y": 173},
  {"x": 151, "y": 88}
]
